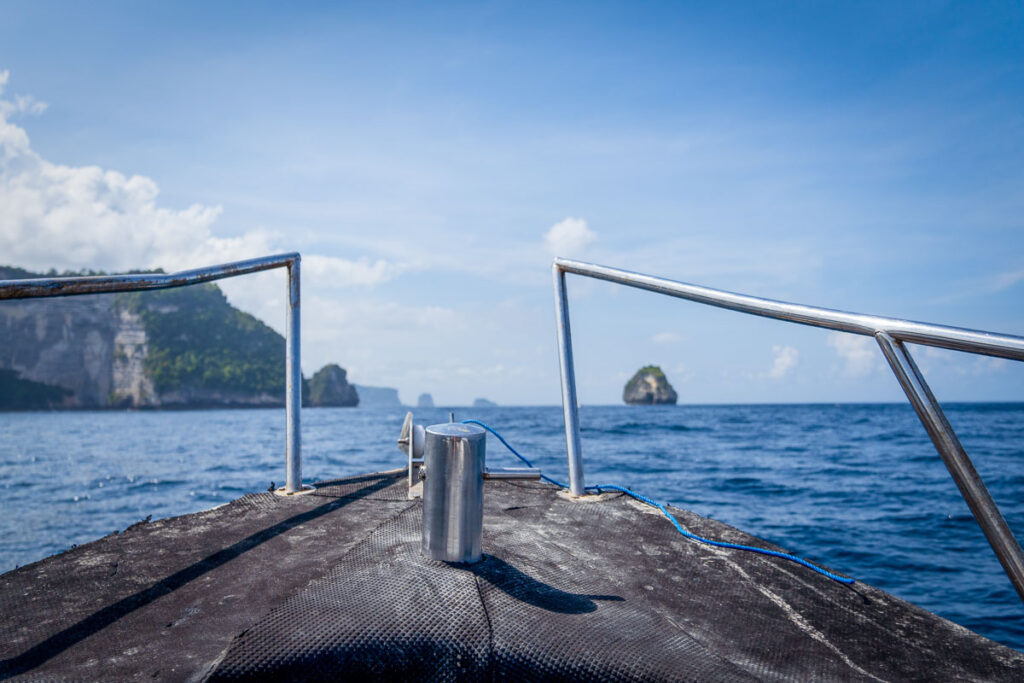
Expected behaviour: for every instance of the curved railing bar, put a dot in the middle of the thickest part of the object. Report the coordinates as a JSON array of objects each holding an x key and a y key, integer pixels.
[
  {"x": 890, "y": 333},
  {"x": 99, "y": 284},
  {"x": 956, "y": 338}
]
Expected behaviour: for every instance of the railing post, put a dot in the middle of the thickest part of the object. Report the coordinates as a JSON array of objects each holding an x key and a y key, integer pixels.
[
  {"x": 891, "y": 335},
  {"x": 137, "y": 282},
  {"x": 293, "y": 383},
  {"x": 967, "y": 479},
  {"x": 569, "y": 406}
]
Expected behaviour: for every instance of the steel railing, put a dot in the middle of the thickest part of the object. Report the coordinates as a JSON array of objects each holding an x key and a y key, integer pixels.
[
  {"x": 70, "y": 286},
  {"x": 891, "y": 335}
]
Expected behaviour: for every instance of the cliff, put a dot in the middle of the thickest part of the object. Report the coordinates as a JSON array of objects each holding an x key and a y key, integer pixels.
[
  {"x": 59, "y": 351},
  {"x": 329, "y": 387},
  {"x": 384, "y": 397},
  {"x": 24, "y": 394},
  {"x": 189, "y": 346},
  {"x": 185, "y": 347},
  {"x": 649, "y": 386}
]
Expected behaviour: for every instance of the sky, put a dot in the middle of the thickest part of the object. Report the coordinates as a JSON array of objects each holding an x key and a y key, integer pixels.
[{"x": 429, "y": 160}]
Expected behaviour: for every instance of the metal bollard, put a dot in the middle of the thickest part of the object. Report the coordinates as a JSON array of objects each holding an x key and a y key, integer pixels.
[{"x": 453, "y": 491}]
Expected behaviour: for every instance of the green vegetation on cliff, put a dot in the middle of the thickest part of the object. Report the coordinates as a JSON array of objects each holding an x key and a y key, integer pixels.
[
  {"x": 652, "y": 370},
  {"x": 329, "y": 387},
  {"x": 15, "y": 273},
  {"x": 197, "y": 339},
  {"x": 193, "y": 349}
]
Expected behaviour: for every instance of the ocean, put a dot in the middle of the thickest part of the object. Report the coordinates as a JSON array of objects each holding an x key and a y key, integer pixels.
[{"x": 857, "y": 488}]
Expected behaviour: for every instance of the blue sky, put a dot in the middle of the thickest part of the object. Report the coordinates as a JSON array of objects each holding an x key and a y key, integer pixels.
[{"x": 429, "y": 160}]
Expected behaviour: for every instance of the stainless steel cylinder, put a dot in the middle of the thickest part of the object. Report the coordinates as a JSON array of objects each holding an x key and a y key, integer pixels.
[{"x": 453, "y": 492}]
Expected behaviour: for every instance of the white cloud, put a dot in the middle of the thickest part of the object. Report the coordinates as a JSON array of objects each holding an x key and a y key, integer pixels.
[
  {"x": 666, "y": 338},
  {"x": 859, "y": 354},
  {"x": 74, "y": 217},
  {"x": 71, "y": 217},
  {"x": 21, "y": 104},
  {"x": 568, "y": 236},
  {"x": 786, "y": 358},
  {"x": 332, "y": 271},
  {"x": 1005, "y": 280},
  {"x": 986, "y": 285},
  {"x": 65, "y": 217},
  {"x": 455, "y": 353},
  {"x": 936, "y": 360}
]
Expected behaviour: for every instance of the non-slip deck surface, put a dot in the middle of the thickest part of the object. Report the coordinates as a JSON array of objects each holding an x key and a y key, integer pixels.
[{"x": 332, "y": 585}]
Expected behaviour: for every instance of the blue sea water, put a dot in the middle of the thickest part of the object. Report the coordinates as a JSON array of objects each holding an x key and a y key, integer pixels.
[{"x": 857, "y": 488}]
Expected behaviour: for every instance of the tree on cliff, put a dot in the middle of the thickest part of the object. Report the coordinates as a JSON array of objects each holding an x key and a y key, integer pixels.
[
  {"x": 176, "y": 347},
  {"x": 197, "y": 339}
]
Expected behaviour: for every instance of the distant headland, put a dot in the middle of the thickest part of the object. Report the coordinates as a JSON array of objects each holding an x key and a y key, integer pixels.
[{"x": 172, "y": 348}]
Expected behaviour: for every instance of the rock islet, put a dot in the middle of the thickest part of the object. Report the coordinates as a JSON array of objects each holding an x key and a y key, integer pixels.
[{"x": 649, "y": 386}]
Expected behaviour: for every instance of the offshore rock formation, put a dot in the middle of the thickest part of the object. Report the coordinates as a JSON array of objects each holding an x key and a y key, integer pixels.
[
  {"x": 484, "y": 403},
  {"x": 425, "y": 401},
  {"x": 378, "y": 397},
  {"x": 330, "y": 387},
  {"x": 173, "y": 348},
  {"x": 649, "y": 386}
]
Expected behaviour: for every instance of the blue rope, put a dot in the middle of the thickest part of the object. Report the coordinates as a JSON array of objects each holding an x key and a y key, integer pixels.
[
  {"x": 723, "y": 544},
  {"x": 515, "y": 452},
  {"x": 671, "y": 518}
]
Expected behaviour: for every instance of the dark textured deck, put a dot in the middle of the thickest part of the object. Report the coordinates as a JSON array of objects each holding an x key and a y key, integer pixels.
[{"x": 332, "y": 584}]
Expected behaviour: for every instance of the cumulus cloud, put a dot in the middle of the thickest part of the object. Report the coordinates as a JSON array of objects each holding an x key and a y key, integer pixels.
[
  {"x": 74, "y": 217},
  {"x": 859, "y": 354},
  {"x": 456, "y": 353},
  {"x": 568, "y": 236},
  {"x": 785, "y": 359},
  {"x": 71, "y": 217},
  {"x": 21, "y": 104},
  {"x": 666, "y": 338},
  {"x": 330, "y": 270}
]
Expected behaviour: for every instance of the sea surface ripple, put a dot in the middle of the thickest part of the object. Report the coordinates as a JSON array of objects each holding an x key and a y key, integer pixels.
[{"x": 857, "y": 488}]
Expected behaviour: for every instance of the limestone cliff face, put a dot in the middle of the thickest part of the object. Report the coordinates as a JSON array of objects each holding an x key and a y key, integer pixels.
[
  {"x": 378, "y": 397},
  {"x": 67, "y": 343},
  {"x": 173, "y": 348},
  {"x": 131, "y": 385},
  {"x": 649, "y": 386}
]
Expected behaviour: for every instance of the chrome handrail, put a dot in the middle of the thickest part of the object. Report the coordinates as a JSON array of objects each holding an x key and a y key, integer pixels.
[
  {"x": 891, "y": 335},
  {"x": 70, "y": 286}
]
